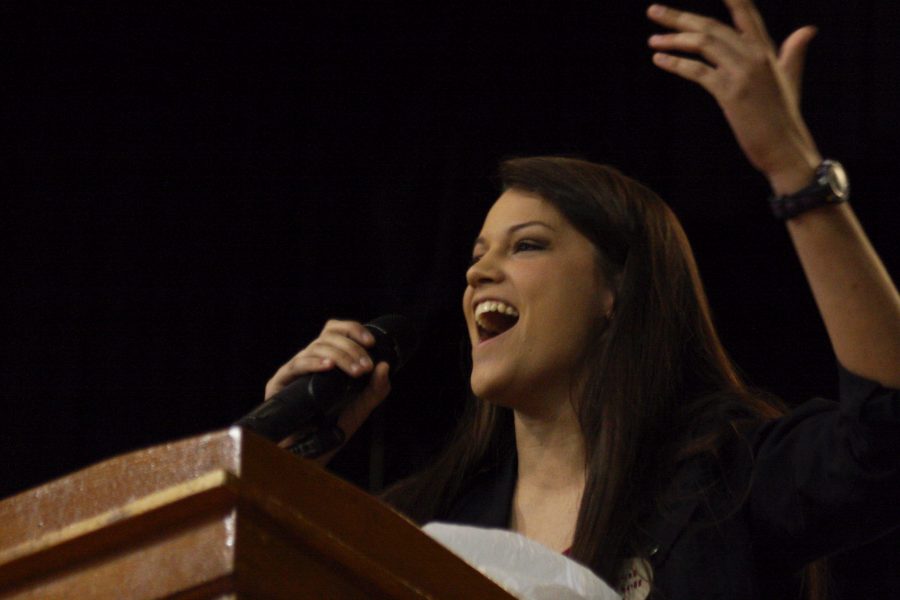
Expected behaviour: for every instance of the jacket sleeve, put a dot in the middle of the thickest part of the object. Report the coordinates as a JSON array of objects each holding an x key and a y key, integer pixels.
[{"x": 827, "y": 476}]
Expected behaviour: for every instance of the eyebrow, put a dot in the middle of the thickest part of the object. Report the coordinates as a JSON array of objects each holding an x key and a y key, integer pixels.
[{"x": 516, "y": 227}]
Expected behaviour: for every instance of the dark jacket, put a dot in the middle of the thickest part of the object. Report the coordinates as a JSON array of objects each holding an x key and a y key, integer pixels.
[{"x": 822, "y": 479}]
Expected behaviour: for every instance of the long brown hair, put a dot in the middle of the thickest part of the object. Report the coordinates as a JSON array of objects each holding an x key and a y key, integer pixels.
[{"x": 660, "y": 387}]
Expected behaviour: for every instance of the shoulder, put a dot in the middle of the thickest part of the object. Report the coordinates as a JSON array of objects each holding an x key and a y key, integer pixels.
[{"x": 773, "y": 494}]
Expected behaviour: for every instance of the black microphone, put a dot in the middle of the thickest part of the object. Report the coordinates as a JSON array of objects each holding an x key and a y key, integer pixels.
[{"x": 316, "y": 400}]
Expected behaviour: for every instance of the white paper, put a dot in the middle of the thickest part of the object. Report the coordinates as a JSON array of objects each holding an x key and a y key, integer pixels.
[{"x": 526, "y": 569}]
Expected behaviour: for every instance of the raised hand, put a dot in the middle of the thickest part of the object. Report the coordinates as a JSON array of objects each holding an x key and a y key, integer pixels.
[
  {"x": 757, "y": 88},
  {"x": 759, "y": 91}
]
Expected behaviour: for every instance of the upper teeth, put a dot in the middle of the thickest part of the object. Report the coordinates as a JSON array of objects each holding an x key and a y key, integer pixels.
[{"x": 495, "y": 306}]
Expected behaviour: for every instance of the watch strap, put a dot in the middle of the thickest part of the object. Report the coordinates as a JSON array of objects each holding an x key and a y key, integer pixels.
[{"x": 820, "y": 192}]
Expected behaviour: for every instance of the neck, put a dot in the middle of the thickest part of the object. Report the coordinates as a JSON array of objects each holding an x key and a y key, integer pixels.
[
  {"x": 551, "y": 450},
  {"x": 551, "y": 477}
]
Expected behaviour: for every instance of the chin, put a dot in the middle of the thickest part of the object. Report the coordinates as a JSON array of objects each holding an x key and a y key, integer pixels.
[{"x": 491, "y": 389}]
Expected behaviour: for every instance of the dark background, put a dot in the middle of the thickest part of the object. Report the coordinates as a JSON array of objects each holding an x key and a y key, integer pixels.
[{"x": 191, "y": 192}]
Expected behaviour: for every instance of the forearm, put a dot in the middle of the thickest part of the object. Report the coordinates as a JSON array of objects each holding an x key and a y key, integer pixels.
[{"x": 854, "y": 292}]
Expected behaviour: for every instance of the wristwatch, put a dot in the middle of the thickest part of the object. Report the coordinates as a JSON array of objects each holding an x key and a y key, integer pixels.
[{"x": 830, "y": 186}]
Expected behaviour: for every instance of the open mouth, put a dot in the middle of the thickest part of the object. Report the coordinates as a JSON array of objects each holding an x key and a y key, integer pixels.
[{"x": 494, "y": 317}]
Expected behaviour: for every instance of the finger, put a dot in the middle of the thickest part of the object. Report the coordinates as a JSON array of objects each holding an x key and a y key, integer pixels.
[
  {"x": 746, "y": 18},
  {"x": 380, "y": 383},
  {"x": 350, "y": 329},
  {"x": 353, "y": 360},
  {"x": 692, "y": 70},
  {"x": 690, "y": 22},
  {"x": 709, "y": 47},
  {"x": 347, "y": 346},
  {"x": 296, "y": 367},
  {"x": 792, "y": 54}
]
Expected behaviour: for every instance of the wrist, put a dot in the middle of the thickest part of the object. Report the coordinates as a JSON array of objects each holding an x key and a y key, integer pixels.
[{"x": 793, "y": 177}]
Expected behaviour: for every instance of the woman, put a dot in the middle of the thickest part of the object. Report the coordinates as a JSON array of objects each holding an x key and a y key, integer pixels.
[{"x": 607, "y": 421}]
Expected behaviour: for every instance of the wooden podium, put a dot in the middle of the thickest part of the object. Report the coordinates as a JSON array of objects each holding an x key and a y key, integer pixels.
[{"x": 224, "y": 515}]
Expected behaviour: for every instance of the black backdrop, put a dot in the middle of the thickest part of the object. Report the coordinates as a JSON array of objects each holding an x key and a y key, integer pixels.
[{"x": 192, "y": 191}]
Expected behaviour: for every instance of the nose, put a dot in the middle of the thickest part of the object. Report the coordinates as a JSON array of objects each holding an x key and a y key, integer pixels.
[{"x": 486, "y": 270}]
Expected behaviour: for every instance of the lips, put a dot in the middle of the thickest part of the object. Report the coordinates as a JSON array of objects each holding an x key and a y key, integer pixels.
[{"x": 494, "y": 317}]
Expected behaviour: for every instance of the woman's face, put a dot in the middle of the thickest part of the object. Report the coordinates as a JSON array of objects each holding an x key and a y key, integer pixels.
[{"x": 535, "y": 294}]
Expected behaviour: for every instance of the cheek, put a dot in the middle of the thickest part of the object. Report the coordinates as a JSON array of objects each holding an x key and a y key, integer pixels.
[{"x": 570, "y": 313}]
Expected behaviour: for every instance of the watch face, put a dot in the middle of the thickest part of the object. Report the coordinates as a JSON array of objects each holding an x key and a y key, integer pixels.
[{"x": 836, "y": 178}]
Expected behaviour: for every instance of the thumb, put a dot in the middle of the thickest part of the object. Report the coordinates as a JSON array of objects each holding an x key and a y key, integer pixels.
[
  {"x": 792, "y": 54},
  {"x": 359, "y": 410}
]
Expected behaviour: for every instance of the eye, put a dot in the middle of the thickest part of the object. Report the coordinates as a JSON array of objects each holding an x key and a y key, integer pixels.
[
  {"x": 528, "y": 246},
  {"x": 475, "y": 258}
]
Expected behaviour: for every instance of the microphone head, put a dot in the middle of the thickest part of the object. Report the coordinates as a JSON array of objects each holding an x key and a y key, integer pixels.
[{"x": 395, "y": 340}]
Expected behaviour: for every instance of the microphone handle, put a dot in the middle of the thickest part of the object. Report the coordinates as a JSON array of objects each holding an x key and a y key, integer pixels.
[
  {"x": 317, "y": 399},
  {"x": 309, "y": 399}
]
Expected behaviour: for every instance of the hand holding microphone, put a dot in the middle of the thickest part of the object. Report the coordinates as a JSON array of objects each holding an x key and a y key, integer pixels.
[{"x": 326, "y": 392}]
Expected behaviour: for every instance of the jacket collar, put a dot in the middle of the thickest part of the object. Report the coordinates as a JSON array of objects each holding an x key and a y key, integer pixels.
[{"x": 487, "y": 502}]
